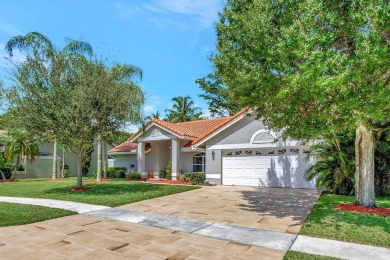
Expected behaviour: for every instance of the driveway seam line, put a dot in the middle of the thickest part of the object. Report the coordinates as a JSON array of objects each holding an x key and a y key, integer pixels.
[{"x": 201, "y": 228}]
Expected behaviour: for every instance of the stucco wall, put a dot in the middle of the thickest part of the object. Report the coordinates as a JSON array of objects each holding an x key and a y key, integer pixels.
[
  {"x": 239, "y": 133},
  {"x": 126, "y": 161},
  {"x": 42, "y": 167},
  {"x": 214, "y": 166}
]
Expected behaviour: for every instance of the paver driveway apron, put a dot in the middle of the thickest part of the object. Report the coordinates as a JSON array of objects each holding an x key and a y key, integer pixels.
[{"x": 275, "y": 209}]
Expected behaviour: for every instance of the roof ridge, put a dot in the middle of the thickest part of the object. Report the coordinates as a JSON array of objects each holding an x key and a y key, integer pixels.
[
  {"x": 223, "y": 117},
  {"x": 229, "y": 119}
]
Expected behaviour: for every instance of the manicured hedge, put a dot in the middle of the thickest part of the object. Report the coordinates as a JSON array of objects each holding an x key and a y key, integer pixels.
[{"x": 196, "y": 178}]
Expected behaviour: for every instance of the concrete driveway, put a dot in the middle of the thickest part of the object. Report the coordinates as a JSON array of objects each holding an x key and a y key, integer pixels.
[{"x": 276, "y": 209}]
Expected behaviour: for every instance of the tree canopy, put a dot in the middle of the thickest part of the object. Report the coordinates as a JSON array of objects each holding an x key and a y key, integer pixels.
[
  {"x": 311, "y": 68},
  {"x": 218, "y": 96},
  {"x": 183, "y": 110},
  {"x": 65, "y": 95}
]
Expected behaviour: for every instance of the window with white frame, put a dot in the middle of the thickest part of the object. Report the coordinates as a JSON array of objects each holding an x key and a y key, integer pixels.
[{"x": 199, "y": 162}]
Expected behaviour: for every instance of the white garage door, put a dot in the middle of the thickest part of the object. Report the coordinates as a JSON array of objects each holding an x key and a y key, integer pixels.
[{"x": 266, "y": 167}]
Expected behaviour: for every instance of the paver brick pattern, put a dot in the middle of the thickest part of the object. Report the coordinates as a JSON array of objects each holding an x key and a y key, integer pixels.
[
  {"x": 87, "y": 237},
  {"x": 275, "y": 209}
]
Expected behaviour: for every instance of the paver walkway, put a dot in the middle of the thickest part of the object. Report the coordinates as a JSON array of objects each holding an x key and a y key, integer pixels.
[{"x": 58, "y": 204}]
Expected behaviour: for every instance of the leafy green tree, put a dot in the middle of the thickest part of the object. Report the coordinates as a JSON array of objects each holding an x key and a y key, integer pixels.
[
  {"x": 218, "y": 96},
  {"x": 21, "y": 145},
  {"x": 114, "y": 97},
  {"x": 38, "y": 78},
  {"x": 312, "y": 68},
  {"x": 183, "y": 110}
]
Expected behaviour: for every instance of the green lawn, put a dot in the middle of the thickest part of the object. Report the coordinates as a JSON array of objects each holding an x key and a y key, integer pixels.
[
  {"x": 12, "y": 214},
  {"x": 326, "y": 222},
  {"x": 114, "y": 193},
  {"x": 294, "y": 255}
]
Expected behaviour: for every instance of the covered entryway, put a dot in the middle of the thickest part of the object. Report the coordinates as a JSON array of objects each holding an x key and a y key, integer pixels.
[{"x": 273, "y": 167}]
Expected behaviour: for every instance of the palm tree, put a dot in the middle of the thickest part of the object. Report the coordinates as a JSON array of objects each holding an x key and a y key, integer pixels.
[
  {"x": 39, "y": 49},
  {"x": 20, "y": 144},
  {"x": 334, "y": 168},
  {"x": 183, "y": 110}
]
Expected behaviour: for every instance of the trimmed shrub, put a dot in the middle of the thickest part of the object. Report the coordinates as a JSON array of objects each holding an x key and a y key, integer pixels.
[
  {"x": 162, "y": 174},
  {"x": 135, "y": 175},
  {"x": 196, "y": 178},
  {"x": 116, "y": 172}
]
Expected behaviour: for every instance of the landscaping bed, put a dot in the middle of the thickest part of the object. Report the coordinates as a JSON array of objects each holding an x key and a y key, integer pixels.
[
  {"x": 361, "y": 209},
  {"x": 115, "y": 192},
  {"x": 12, "y": 214},
  {"x": 326, "y": 221},
  {"x": 169, "y": 181}
]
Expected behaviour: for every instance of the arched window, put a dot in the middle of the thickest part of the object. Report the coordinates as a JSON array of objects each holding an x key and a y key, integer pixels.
[
  {"x": 199, "y": 162},
  {"x": 263, "y": 136}
]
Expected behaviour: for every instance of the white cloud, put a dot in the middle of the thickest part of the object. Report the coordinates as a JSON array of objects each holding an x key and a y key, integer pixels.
[
  {"x": 206, "y": 11},
  {"x": 9, "y": 28},
  {"x": 125, "y": 11},
  {"x": 5, "y": 60},
  {"x": 153, "y": 104},
  {"x": 199, "y": 13},
  {"x": 150, "y": 109}
]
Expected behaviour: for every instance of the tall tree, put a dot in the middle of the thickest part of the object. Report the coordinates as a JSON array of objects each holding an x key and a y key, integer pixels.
[
  {"x": 218, "y": 96},
  {"x": 312, "y": 67},
  {"x": 115, "y": 98},
  {"x": 183, "y": 110},
  {"x": 44, "y": 66}
]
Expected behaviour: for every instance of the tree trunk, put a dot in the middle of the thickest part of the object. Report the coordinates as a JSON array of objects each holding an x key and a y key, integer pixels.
[
  {"x": 364, "y": 180},
  {"x": 99, "y": 159},
  {"x": 2, "y": 175},
  {"x": 79, "y": 165},
  {"x": 15, "y": 169},
  {"x": 54, "y": 176},
  {"x": 63, "y": 164},
  {"x": 105, "y": 163}
]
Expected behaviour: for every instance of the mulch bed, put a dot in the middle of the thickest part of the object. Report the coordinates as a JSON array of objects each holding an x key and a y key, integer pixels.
[
  {"x": 103, "y": 181},
  {"x": 169, "y": 182},
  {"x": 79, "y": 189},
  {"x": 361, "y": 209},
  {"x": 8, "y": 181}
]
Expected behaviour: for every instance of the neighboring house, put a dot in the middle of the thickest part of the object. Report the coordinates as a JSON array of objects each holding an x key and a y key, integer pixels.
[
  {"x": 234, "y": 150},
  {"x": 42, "y": 167}
]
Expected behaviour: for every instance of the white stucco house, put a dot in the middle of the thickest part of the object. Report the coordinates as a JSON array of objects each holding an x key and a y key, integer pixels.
[{"x": 234, "y": 150}]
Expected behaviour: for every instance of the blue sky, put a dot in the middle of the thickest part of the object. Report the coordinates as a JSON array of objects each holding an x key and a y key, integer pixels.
[{"x": 170, "y": 40}]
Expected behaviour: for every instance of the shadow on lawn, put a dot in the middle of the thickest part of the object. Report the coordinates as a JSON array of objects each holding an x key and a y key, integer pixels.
[
  {"x": 107, "y": 189},
  {"x": 280, "y": 202}
]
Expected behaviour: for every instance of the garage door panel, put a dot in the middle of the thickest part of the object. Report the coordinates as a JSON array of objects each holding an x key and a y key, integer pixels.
[{"x": 277, "y": 170}]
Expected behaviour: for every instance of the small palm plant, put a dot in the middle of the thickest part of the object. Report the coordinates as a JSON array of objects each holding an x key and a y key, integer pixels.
[
  {"x": 20, "y": 145},
  {"x": 334, "y": 168}
]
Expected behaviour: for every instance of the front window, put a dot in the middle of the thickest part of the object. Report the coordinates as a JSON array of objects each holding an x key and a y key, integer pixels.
[{"x": 199, "y": 162}]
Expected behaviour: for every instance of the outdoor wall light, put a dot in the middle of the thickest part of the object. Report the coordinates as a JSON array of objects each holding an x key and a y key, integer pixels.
[
  {"x": 131, "y": 165},
  {"x": 213, "y": 154}
]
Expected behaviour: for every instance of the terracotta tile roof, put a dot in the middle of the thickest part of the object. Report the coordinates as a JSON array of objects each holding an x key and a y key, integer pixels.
[
  {"x": 197, "y": 130},
  {"x": 127, "y": 147},
  {"x": 215, "y": 128}
]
